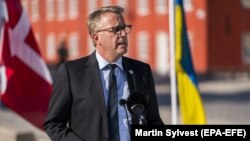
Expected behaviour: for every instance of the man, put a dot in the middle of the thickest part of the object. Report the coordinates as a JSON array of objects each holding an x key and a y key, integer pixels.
[{"x": 83, "y": 106}]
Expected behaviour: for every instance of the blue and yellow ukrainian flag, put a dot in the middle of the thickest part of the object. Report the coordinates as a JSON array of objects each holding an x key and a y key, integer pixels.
[{"x": 191, "y": 107}]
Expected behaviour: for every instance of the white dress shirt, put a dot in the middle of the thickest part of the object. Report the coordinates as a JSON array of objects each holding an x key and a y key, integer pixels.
[{"x": 122, "y": 91}]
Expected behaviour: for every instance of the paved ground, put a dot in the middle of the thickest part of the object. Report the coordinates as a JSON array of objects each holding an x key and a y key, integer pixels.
[{"x": 226, "y": 101}]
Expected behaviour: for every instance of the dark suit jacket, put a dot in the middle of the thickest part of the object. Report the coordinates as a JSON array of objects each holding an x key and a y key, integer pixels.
[{"x": 77, "y": 110}]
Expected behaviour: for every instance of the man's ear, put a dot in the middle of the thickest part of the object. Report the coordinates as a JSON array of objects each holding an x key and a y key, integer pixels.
[{"x": 95, "y": 37}]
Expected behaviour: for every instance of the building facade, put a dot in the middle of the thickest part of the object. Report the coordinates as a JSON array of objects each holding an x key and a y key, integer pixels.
[{"x": 219, "y": 30}]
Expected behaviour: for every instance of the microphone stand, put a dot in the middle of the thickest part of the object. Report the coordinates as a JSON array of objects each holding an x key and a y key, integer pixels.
[
  {"x": 142, "y": 120},
  {"x": 138, "y": 110},
  {"x": 123, "y": 102}
]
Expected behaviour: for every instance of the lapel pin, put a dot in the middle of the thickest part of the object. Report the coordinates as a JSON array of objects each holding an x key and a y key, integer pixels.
[{"x": 131, "y": 71}]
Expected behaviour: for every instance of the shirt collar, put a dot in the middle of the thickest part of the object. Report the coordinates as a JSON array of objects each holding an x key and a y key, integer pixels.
[{"x": 103, "y": 63}]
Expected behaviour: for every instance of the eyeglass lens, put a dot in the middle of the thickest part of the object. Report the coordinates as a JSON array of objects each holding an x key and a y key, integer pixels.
[{"x": 126, "y": 28}]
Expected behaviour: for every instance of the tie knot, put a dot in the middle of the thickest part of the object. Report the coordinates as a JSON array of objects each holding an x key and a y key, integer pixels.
[{"x": 112, "y": 66}]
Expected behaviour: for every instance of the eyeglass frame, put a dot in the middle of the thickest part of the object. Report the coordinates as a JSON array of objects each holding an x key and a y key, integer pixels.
[{"x": 113, "y": 29}]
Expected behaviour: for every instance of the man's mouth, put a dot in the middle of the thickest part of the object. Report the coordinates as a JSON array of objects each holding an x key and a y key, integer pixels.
[{"x": 122, "y": 43}]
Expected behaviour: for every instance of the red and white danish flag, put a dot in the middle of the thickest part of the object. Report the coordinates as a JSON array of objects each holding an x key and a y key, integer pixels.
[{"x": 26, "y": 83}]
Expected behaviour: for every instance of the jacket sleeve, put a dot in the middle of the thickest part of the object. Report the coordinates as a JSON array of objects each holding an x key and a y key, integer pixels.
[
  {"x": 153, "y": 116},
  {"x": 60, "y": 109}
]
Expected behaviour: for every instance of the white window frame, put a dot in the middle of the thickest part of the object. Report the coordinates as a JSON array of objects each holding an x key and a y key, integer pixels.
[
  {"x": 74, "y": 45},
  {"x": 188, "y": 5},
  {"x": 51, "y": 46},
  {"x": 143, "y": 7},
  {"x": 245, "y": 4},
  {"x": 143, "y": 46},
  {"x": 50, "y": 10},
  {"x": 92, "y": 5},
  {"x": 106, "y": 2},
  {"x": 122, "y": 3},
  {"x": 73, "y": 9},
  {"x": 161, "y": 7},
  {"x": 200, "y": 13},
  {"x": 61, "y": 10},
  {"x": 34, "y": 10},
  {"x": 162, "y": 53}
]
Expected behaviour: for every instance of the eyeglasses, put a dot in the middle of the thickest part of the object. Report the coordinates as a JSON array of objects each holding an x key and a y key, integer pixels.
[{"x": 118, "y": 29}]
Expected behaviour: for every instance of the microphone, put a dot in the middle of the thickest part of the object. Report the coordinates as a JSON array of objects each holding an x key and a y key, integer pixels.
[
  {"x": 123, "y": 103},
  {"x": 136, "y": 104}
]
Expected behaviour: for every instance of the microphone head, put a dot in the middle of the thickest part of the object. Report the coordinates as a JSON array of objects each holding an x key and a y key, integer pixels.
[
  {"x": 122, "y": 102},
  {"x": 137, "y": 109},
  {"x": 136, "y": 102}
]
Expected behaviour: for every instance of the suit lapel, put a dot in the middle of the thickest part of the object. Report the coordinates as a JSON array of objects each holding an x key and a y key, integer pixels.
[
  {"x": 127, "y": 68},
  {"x": 131, "y": 84},
  {"x": 96, "y": 84}
]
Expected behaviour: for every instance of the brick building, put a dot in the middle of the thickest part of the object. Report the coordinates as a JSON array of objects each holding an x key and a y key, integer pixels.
[{"x": 219, "y": 30}]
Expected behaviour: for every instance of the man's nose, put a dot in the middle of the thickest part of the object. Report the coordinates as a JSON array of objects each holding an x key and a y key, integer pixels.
[{"x": 122, "y": 33}]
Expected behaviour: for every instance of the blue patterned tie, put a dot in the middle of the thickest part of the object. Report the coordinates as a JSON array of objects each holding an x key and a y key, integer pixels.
[{"x": 113, "y": 106}]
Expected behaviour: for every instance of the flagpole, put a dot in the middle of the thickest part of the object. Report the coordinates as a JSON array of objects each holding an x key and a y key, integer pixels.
[{"x": 172, "y": 60}]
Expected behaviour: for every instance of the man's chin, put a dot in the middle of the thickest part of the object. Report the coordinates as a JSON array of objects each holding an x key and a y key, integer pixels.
[
  {"x": 122, "y": 49},
  {"x": 121, "y": 53}
]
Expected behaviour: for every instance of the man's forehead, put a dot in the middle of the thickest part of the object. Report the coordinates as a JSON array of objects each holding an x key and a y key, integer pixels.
[{"x": 111, "y": 18}]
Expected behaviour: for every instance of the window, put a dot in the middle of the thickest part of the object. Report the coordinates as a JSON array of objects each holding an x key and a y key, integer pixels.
[
  {"x": 161, "y": 6},
  {"x": 34, "y": 10},
  {"x": 200, "y": 14},
  {"x": 61, "y": 10},
  {"x": 73, "y": 45},
  {"x": 106, "y": 2},
  {"x": 142, "y": 45},
  {"x": 245, "y": 4},
  {"x": 142, "y": 7},
  {"x": 73, "y": 9},
  {"x": 91, "y": 5},
  {"x": 122, "y": 3},
  {"x": 51, "y": 47},
  {"x": 50, "y": 10},
  {"x": 162, "y": 53},
  {"x": 188, "y": 5},
  {"x": 245, "y": 53}
]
